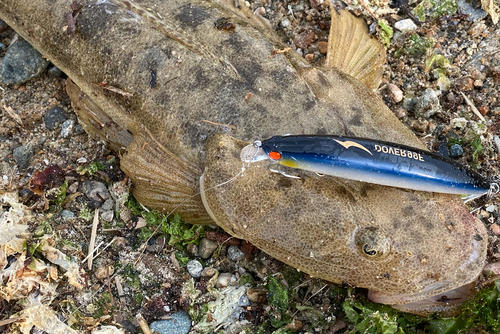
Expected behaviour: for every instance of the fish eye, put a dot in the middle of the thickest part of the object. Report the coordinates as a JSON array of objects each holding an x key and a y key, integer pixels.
[
  {"x": 372, "y": 243},
  {"x": 368, "y": 251}
]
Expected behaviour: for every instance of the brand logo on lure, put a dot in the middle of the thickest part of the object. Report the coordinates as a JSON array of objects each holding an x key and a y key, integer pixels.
[
  {"x": 399, "y": 151},
  {"x": 349, "y": 143}
]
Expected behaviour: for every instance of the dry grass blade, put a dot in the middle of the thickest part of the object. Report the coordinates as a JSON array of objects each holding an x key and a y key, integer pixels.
[
  {"x": 10, "y": 320},
  {"x": 144, "y": 325},
  {"x": 12, "y": 114},
  {"x": 93, "y": 237},
  {"x": 473, "y": 107}
]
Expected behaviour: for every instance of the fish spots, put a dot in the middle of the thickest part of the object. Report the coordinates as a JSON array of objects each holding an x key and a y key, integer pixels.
[
  {"x": 191, "y": 16},
  {"x": 357, "y": 116},
  {"x": 309, "y": 104}
]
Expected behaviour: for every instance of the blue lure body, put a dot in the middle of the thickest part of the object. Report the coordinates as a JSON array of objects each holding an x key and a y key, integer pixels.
[{"x": 372, "y": 161}]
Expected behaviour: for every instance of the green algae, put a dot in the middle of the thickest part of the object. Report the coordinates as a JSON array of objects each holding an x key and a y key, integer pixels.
[
  {"x": 415, "y": 45},
  {"x": 434, "y": 9},
  {"x": 385, "y": 32}
]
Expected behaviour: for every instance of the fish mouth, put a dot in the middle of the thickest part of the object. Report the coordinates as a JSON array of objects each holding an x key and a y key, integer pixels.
[
  {"x": 448, "y": 296},
  {"x": 446, "y": 303}
]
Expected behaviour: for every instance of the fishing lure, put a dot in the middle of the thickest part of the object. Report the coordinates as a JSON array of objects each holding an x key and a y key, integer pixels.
[{"x": 372, "y": 161}]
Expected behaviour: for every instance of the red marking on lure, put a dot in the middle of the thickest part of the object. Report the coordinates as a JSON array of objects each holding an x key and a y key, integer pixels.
[{"x": 274, "y": 155}]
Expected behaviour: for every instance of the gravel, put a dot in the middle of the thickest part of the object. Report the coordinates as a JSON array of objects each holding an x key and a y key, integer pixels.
[{"x": 21, "y": 63}]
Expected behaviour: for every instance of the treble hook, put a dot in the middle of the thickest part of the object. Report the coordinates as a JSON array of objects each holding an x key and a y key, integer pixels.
[{"x": 278, "y": 170}]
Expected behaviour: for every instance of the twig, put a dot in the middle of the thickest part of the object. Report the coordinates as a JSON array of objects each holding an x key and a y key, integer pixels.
[
  {"x": 119, "y": 288},
  {"x": 214, "y": 123},
  {"x": 143, "y": 324},
  {"x": 368, "y": 9},
  {"x": 93, "y": 236},
  {"x": 10, "y": 320},
  {"x": 12, "y": 114},
  {"x": 473, "y": 107}
]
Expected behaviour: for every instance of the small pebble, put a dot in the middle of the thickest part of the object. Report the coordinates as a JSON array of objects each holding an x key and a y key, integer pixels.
[
  {"x": 456, "y": 151},
  {"x": 395, "y": 93},
  {"x": 491, "y": 208},
  {"x": 108, "y": 215},
  {"x": 224, "y": 280},
  {"x": 73, "y": 188},
  {"x": 492, "y": 267},
  {"x": 53, "y": 117},
  {"x": 443, "y": 149},
  {"x": 285, "y": 23},
  {"x": 496, "y": 140},
  {"x": 303, "y": 40},
  {"x": 192, "y": 249},
  {"x": 458, "y": 123},
  {"x": 234, "y": 253},
  {"x": 67, "y": 128},
  {"x": 405, "y": 25},
  {"x": 244, "y": 301},
  {"x": 323, "y": 47},
  {"x": 209, "y": 272},
  {"x": 206, "y": 248},
  {"x": 257, "y": 295},
  {"x": 108, "y": 205},
  {"x": 419, "y": 125},
  {"x": 179, "y": 323},
  {"x": 427, "y": 104},
  {"x": 95, "y": 190},
  {"x": 237, "y": 312},
  {"x": 495, "y": 229},
  {"x": 54, "y": 71},
  {"x": 21, "y": 63},
  {"x": 473, "y": 13},
  {"x": 104, "y": 272},
  {"x": 22, "y": 155},
  {"x": 67, "y": 214},
  {"x": 194, "y": 268}
]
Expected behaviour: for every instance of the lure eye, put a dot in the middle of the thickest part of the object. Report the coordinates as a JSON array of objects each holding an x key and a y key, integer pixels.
[
  {"x": 372, "y": 243},
  {"x": 274, "y": 155}
]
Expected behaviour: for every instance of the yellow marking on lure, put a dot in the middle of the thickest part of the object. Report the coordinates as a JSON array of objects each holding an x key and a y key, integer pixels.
[{"x": 292, "y": 163}]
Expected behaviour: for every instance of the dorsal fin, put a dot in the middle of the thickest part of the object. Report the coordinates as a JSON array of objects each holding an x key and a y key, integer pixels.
[{"x": 353, "y": 51}]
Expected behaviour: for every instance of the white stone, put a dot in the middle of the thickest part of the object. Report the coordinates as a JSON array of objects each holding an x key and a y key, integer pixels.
[{"x": 405, "y": 25}]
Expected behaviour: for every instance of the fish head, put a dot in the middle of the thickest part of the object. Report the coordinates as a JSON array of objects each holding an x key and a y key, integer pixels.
[{"x": 406, "y": 247}]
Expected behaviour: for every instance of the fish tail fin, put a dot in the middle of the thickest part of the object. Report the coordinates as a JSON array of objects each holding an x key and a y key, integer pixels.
[
  {"x": 162, "y": 180},
  {"x": 353, "y": 51}
]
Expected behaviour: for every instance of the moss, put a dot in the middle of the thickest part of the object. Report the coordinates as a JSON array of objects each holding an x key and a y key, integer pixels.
[
  {"x": 246, "y": 279},
  {"x": 91, "y": 169},
  {"x": 277, "y": 298},
  {"x": 42, "y": 229},
  {"x": 385, "y": 32},
  {"x": 415, "y": 45},
  {"x": 102, "y": 306},
  {"x": 86, "y": 214},
  {"x": 434, "y": 9},
  {"x": 177, "y": 232},
  {"x": 60, "y": 194}
]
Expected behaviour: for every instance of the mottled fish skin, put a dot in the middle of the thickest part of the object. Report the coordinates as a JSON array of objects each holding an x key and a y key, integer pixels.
[{"x": 204, "y": 74}]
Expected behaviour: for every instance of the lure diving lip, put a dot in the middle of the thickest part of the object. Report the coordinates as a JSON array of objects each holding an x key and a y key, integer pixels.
[{"x": 372, "y": 161}]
